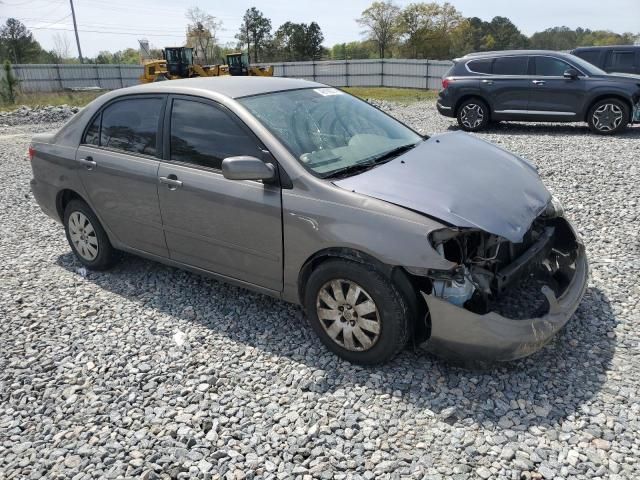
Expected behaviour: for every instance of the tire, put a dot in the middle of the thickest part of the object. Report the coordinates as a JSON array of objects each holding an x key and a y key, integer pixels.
[
  {"x": 608, "y": 116},
  {"x": 473, "y": 115},
  {"x": 351, "y": 322},
  {"x": 87, "y": 238}
]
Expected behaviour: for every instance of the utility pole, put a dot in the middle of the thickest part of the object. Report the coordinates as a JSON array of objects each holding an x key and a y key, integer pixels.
[{"x": 75, "y": 27}]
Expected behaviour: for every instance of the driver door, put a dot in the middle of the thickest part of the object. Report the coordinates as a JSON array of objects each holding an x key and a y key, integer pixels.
[{"x": 229, "y": 227}]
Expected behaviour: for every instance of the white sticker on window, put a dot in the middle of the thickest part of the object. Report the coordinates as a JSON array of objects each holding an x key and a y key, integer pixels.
[{"x": 326, "y": 92}]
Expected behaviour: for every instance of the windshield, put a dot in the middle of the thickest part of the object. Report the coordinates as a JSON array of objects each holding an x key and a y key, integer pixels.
[
  {"x": 587, "y": 67},
  {"x": 328, "y": 131}
]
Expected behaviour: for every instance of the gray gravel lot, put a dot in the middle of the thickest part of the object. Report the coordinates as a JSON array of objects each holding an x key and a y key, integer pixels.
[{"x": 148, "y": 371}]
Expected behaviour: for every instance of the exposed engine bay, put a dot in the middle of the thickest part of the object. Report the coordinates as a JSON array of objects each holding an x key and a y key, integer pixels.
[{"x": 493, "y": 274}]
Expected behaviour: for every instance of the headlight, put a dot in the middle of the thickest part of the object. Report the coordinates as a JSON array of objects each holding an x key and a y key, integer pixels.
[{"x": 554, "y": 208}]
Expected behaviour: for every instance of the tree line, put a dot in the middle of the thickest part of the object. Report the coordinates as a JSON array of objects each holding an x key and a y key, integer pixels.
[{"x": 419, "y": 30}]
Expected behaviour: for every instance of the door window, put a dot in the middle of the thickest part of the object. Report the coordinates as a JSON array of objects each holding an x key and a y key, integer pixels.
[
  {"x": 621, "y": 59},
  {"x": 550, "y": 67},
  {"x": 92, "y": 135},
  {"x": 131, "y": 125},
  {"x": 480, "y": 66},
  {"x": 510, "y": 66},
  {"x": 204, "y": 135}
]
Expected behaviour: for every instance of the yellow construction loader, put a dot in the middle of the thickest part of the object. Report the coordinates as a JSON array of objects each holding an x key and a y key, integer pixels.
[{"x": 178, "y": 63}]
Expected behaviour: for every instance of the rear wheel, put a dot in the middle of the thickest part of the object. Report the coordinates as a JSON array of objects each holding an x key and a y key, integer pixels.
[
  {"x": 608, "y": 116},
  {"x": 357, "y": 312},
  {"x": 87, "y": 238},
  {"x": 473, "y": 115}
]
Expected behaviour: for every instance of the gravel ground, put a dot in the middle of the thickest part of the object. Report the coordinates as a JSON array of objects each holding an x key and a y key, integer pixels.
[{"x": 148, "y": 371}]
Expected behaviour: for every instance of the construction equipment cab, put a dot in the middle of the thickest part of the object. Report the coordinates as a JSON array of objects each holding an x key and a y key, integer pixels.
[{"x": 179, "y": 61}]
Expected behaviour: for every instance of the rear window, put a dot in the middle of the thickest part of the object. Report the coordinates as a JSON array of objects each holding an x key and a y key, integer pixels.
[
  {"x": 591, "y": 56},
  {"x": 131, "y": 125},
  {"x": 622, "y": 59},
  {"x": 481, "y": 65},
  {"x": 510, "y": 66}
]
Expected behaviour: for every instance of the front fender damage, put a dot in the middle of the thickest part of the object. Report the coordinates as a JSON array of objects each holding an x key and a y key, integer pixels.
[{"x": 504, "y": 329}]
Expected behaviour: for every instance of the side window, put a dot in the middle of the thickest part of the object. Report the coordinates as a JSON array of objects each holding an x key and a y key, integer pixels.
[
  {"x": 205, "y": 135},
  {"x": 510, "y": 66},
  {"x": 550, "y": 67},
  {"x": 131, "y": 125},
  {"x": 92, "y": 135},
  {"x": 621, "y": 59},
  {"x": 591, "y": 56},
  {"x": 480, "y": 66}
]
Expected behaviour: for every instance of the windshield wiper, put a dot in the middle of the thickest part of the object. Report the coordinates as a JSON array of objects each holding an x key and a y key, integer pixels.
[{"x": 372, "y": 162}]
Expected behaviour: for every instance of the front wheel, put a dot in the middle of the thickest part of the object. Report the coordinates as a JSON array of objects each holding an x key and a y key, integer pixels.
[
  {"x": 608, "y": 116},
  {"x": 357, "y": 312},
  {"x": 473, "y": 115}
]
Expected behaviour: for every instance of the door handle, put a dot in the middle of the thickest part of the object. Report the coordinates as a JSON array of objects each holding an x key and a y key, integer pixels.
[
  {"x": 538, "y": 82},
  {"x": 171, "y": 181},
  {"x": 88, "y": 162},
  {"x": 487, "y": 82}
]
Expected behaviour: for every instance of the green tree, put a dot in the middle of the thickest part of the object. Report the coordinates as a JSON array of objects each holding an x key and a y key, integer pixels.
[
  {"x": 298, "y": 41},
  {"x": 380, "y": 22},
  {"x": 17, "y": 44},
  {"x": 506, "y": 34},
  {"x": 8, "y": 84},
  {"x": 255, "y": 29}
]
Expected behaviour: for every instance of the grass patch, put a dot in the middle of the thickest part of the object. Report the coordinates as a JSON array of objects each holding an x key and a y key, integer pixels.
[
  {"x": 73, "y": 99},
  {"x": 400, "y": 95}
]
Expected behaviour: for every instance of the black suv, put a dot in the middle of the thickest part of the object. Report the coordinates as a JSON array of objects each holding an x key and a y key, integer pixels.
[
  {"x": 527, "y": 85},
  {"x": 615, "y": 58}
]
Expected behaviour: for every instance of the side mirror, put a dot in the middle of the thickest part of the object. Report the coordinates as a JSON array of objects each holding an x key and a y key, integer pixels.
[
  {"x": 571, "y": 73},
  {"x": 247, "y": 168}
]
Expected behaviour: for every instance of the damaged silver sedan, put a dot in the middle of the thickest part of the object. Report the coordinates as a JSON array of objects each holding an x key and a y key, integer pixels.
[{"x": 301, "y": 191}]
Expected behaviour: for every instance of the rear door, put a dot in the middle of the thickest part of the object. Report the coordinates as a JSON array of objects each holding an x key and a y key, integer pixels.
[
  {"x": 553, "y": 95},
  {"x": 118, "y": 162},
  {"x": 506, "y": 87},
  {"x": 230, "y": 227},
  {"x": 623, "y": 60}
]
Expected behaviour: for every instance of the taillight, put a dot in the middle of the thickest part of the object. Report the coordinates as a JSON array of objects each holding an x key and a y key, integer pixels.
[
  {"x": 446, "y": 82},
  {"x": 32, "y": 152}
]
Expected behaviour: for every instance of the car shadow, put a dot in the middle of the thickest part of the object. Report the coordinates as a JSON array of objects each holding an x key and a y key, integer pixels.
[
  {"x": 548, "y": 386},
  {"x": 552, "y": 129}
]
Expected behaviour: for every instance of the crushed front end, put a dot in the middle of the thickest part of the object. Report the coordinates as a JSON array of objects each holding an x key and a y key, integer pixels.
[{"x": 504, "y": 300}]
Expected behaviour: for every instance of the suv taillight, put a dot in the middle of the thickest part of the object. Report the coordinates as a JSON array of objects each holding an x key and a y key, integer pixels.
[
  {"x": 446, "y": 82},
  {"x": 32, "y": 152}
]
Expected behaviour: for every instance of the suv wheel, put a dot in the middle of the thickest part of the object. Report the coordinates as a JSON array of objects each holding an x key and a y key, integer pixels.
[
  {"x": 608, "y": 116},
  {"x": 87, "y": 238},
  {"x": 357, "y": 312},
  {"x": 473, "y": 115}
]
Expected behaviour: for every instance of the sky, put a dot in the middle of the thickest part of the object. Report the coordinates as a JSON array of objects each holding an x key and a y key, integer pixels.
[{"x": 118, "y": 24}]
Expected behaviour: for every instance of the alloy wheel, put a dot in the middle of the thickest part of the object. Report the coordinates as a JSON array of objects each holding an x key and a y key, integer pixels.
[
  {"x": 83, "y": 236},
  {"x": 472, "y": 115},
  {"x": 348, "y": 315},
  {"x": 607, "y": 117}
]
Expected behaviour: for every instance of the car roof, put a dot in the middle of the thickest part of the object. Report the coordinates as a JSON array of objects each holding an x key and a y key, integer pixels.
[
  {"x": 504, "y": 53},
  {"x": 226, "y": 85}
]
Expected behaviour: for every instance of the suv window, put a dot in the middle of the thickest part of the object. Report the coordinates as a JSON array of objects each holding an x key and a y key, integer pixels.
[
  {"x": 131, "y": 125},
  {"x": 480, "y": 66},
  {"x": 204, "y": 135},
  {"x": 550, "y": 67},
  {"x": 510, "y": 66},
  {"x": 591, "y": 56},
  {"x": 621, "y": 59}
]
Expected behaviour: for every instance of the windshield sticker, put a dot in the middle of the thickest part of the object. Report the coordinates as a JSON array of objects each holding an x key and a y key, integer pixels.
[{"x": 326, "y": 92}]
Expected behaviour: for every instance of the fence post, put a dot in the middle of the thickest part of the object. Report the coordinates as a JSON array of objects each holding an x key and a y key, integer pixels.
[
  {"x": 59, "y": 77},
  {"x": 313, "y": 67},
  {"x": 95, "y": 67},
  {"x": 120, "y": 72},
  {"x": 346, "y": 71},
  {"x": 284, "y": 69},
  {"x": 382, "y": 72},
  {"x": 426, "y": 83}
]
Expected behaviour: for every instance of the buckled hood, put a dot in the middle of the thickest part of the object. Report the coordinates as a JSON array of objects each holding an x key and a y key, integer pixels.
[{"x": 461, "y": 180}]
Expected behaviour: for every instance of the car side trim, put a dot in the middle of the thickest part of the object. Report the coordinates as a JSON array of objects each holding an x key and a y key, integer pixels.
[{"x": 536, "y": 112}]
